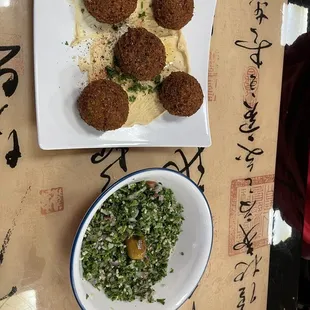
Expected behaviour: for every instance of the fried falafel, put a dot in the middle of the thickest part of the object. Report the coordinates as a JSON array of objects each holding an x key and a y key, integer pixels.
[
  {"x": 140, "y": 54},
  {"x": 103, "y": 104},
  {"x": 110, "y": 11},
  {"x": 181, "y": 94},
  {"x": 173, "y": 14}
]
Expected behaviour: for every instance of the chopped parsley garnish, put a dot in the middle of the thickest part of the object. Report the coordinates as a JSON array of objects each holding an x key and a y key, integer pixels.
[
  {"x": 182, "y": 253},
  {"x": 161, "y": 301},
  {"x": 114, "y": 73},
  {"x": 87, "y": 296},
  {"x": 157, "y": 79},
  {"x": 132, "y": 98},
  {"x": 171, "y": 270},
  {"x": 151, "y": 89},
  {"x": 66, "y": 43},
  {"x": 111, "y": 72},
  {"x": 140, "y": 209},
  {"x": 142, "y": 15},
  {"x": 137, "y": 87}
]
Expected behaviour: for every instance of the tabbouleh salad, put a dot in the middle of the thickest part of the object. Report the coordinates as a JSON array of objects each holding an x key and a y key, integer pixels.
[{"x": 127, "y": 245}]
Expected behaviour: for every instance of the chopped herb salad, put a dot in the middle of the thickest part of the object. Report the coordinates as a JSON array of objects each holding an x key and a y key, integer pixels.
[{"x": 128, "y": 243}]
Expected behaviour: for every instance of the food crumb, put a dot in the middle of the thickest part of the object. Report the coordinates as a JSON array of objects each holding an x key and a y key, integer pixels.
[{"x": 182, "y": 253}]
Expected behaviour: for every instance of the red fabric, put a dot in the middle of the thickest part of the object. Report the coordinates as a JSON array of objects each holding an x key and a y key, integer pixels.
[
  {"x": 306, "y": 232},
  {"x": 292, "y": 157},
  {"x": 294, "y": 140}
]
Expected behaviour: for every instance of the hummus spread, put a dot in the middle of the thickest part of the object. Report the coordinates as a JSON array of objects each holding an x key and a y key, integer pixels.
[{"x": 100, "y": 39}]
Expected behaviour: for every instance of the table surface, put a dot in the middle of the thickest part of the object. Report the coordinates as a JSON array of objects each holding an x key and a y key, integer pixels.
[{"x": 44, "y": 195}]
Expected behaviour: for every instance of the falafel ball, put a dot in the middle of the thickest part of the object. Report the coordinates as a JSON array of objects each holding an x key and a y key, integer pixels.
[
  {"x": 181, "y": 94},
  {"x": 103, "y": 104},
  {"x": 173, "y": 14},
  {"x": 140, "y": 54},
  {"x": 110, "y": 11}
]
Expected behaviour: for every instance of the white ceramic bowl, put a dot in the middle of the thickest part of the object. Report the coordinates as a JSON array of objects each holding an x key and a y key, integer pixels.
[{"x": 195, "y": 242}]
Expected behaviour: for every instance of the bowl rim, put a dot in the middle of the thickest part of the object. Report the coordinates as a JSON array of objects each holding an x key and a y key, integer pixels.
[{"x": 94, "y": 204}]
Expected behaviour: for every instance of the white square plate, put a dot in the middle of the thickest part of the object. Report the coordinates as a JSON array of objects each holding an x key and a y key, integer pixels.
[{"x": 57, "y": 81}]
